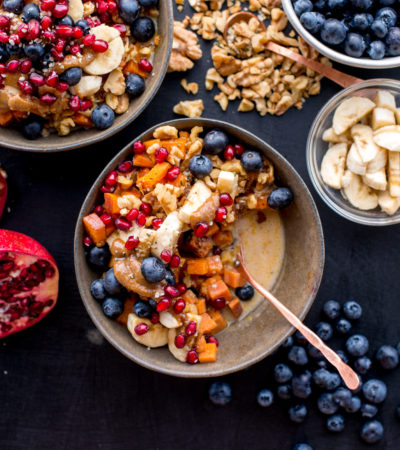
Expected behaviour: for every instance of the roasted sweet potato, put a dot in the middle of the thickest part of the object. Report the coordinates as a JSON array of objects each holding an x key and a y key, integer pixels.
[
  {"x": 200, "y": 246},
  {"x": 95, "y": 228},
  {"x": 219, "y": 289},
  {"x": 111, "y": 204},
  {"x": 179, "y": 181},
  {"x": 223, "y": 238},
  {"x": 233, "y": 278},
  {"x": 151, "y": 142},
  {"x": 82, "y": 120},
  {"x": 201, "y": 306},
  {"x": 201, "y": 344},
  {"x": 6, "y": 118},
  {"x": 215, "y": 266},
  {"x": 190, "y": 297},
  {"x": 156, "y": 175},
  {"x": 144, "y": 160},
  {"x": 169, "y": 143},
  {"x": 207, "y": 325},
  {"x": 218, "y": 318},
  {"x": 128, "y": 308},
  {"x": 236, "y": 307},
  {"x": 197, "y": 266},
  {"x": 209, "y": 354},
  {"x": 214, "y": 228},
  {"x": 133, "y": 67}
]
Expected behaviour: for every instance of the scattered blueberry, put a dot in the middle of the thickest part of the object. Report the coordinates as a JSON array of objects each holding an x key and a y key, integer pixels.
[
  {"x": 302, "y": 6},
  {"x": 14, "y": 6},
  {"x": 387, "y": 357},
  {"x": 335, "y": 423},
  {"x": 362, "y": 364},
  {"x": 353, "y": 405},
  {"x": 112, "y": 307},
  {"x": 289, "y": 342},
  {"x": 342, "y": 396},
  {"x": 71, "y": 76},
  {"x": 387, "y": 2},
  {"x": 142, "y": 29},
  {"x": 111, "y": 284},
  {"x": 372, "y": 432},
  {"x": 331, "y": 309},
  {"x": 220, "y": 393},
  {"x": 354, "y": 45},
  {"x": 324, "y": 330},
  {"x": 30, "y": 11},
  {"x": 84, "y": 25},
  {"x": 153, "y": 269},
  {"x": 251, "y": 161},
  {"x": 265, "y": 398},
  {"x": 34, "y": 51},
  {"x": 333, "y": 32},
  {"x": 4, "y": 55},
  {"x": 362, "y": 4},
  {"x": 312, "y": 21},
  {"x": 343, "y": 356},
  {"x": 282, "y": 373},
  {"x": 357, "y": 345},
  {"x": 280, "y": 198},
  {"x": 99, "y": 257},
  {"x": 321, "y": 377},
  {"x": 299, "y": 338},
  {"x": 393, "y": 41},
  {"x": 200, "y": 165},
  {"x": 361, "y": 21},
  {"x": 284, "y": 391},
  {"x": 376, "y": 50},
  {"x": 32, "y": 127},
  {"x": 352, "y": 310},
  {"x": 313, "y": 352},
  {"x": 297, "y": 355},
  {"x": 143, "y": 309},
  {"x": 170, "y": 278},
  {"x": 326, "y": 404},
  {"x": 102, "y": 117},
  {"x": 379, "y": 28},
  {"x": 368, "y": 411},
  {"x": 301, "y": 385},
  {"x": 135, "y": 85},
  {"x": 374, "y": 391},
  {"x": 302, "y": 446},
  {"x": 128, "y": 10},
  {"x": 388, "y": 15},
  {"x": 320, "y": 5},
  {"x": 97, "y": 289},
  {"x": 298, "y": 413},
  {"x": 245, "y": 292},
  {"x": 66, "y": 20},
  {"x": 343, "y": 326},
  {"x": 215, "y": 142}
]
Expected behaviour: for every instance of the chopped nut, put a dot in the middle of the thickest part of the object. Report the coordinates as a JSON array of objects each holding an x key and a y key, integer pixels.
[
  {"x": 185, "y": 48},
  {"x": 167, "y": 195},
  {"x": 65, "y": 126},
  {"x": 222, "y": 99},
  {"x": 123, "y": 104},
  {"x": 246, "y": 105},
  {"x": 125, "y": 182},
  {"x": 128, "y": 201},
  {"x": 115, "y": 82},
  {"x": 165, "y": 132},
  {"x": 190, "y": 88},
  {"x": 189, "y": 108},
  {"x": 112, "y": 101},
  {"x": 88, "y": 9}
]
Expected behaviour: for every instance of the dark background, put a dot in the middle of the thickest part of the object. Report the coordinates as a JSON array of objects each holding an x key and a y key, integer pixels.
[{"x": 64, "y": 387}]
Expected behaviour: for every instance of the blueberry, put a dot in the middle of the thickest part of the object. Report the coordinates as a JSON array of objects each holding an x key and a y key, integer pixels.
[
  {"x": 379, "y": 28},
  {"x": 361, "y": 21},
  {"x": 331, "y": 309},
  {"x": 357, "y": 345},
  {"x": 388, "y": 15},
  {"x": 335, "y": 423},
  {"x": 143, "y": 309},
  {"x": 153, "y": 269},
  {"x": 152, "y": 303},
  {"x": 312, "y": 21},
  {"x": 337, "y": 4},
  {"x": 323, "y": 364},
  {"x": 282, "y": 373},
  {"x": 99, "y": 257},
  {"x": 387, "y": 357},
  {"x": 387, "y": 2},
  {"x": 284, "y": 391},
  {"x": 333, "y": 32},
  {"x": 265, "y": 398},
  {"x": 324, "y": 330},
  {"x": 362, "y": 364},
  {"x": 343, "y": 326},
  {"x": 372, "y": 432},
  {"x": 111, "y": 284},
  {"x": 245, "y": 292},
  {"x": 298, "y": 413},
  {"x": 320, "y": 5},
  {"x": 393, "y": 41},
  {"x": 32, "y": 127},
  {"x": 302, "y": 6},
  {"x": 200, "y": 166},
  {"x": 149, "y": 3},
  {"x": 251, "y": 161},
  {"x": 280, "y": 198},
  {"x": 45, "y": 61},
  {"x": 354, "y": 45},
  {"x": 30, "y": 11},
  {"x": 34, "y": 51},
  {"x": 66, "y": 20},
  {"x": 103, "y": 117},
  {"x": 326, "y": 404},
  {"x": 220, "y": 393},
  {"x": 83, "y": 25},
  {"x": 376, "y": 50},
  {"x": 320, "y": 377},
  {"x": 14, "y": 6},
  {"x": 302, "y": 446},
  {"x": 353, "y": 405},
  {"x": 15, "y": 49},
  {"x": 297, "y": 355},
  {"x": 289, "y": 342},
  {"x": 314, "y": 352},
  {"x": 71, "y": 76},
  {"x": 342, "y": 396},
  {"x": 170, "y": 278},
  {"x": 97, "y": 289},
  {"x": 135, "y": 85},
  {"x": 128, "y": 10},
  {"x": 142, "y": 29},
  {"x": 215, "y": 142},
  {"x": 112, "y": 307},
  {"x": 343, "y": 356},
  {"x": 368, "y": 411},
  {"x": 299, "y": 338},
  {"x": 374, "y": 391},
  {"x": 352, "y": 310},
  {"x": 4, "y": 55},
  {"x": 362, "y": 4},
  {"x": 301, "y": 385}
]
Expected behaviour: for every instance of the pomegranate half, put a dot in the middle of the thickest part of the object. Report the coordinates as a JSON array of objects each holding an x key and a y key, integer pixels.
[
  {"x": 28, "y": 282},
  {"x": 3, "y": 190}
]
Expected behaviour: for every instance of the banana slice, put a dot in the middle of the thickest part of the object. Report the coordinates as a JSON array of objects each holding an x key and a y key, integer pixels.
[
  {"x": 157, "y": 336},
  {"x": 88, "y": 85},
  {"x": 381, "y": 117},
  {"x": 109, "y": 60},
  {"x": 354, "y": 161},
  {"x": 384, "y": 99},
  {"x": 332, "y": 166},
  {"x": 75, "y": 9},
  {"x": 349, "y": 112},
  {"x": 397, "y": 114},
  {"x": 388, "y": 137},
  {"x": 388, "y": 204},
  {"x": 394, "y": 174},
  {"x": 330, "y": 136},
  {"x": 363, "y": 138},
  {"x": 379, "y": 161},
  {"x": 179, "y": 353},
  {"x": 169, "y": 320},
  {"x": 376, "y": 180},
  {"x": 357, "y": 193}
]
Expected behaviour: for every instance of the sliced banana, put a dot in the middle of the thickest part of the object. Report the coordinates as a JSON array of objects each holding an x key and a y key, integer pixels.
[
  {"x": 75, "y": 9},
  {"x": 388, "y": 137},
  {"x": 379, "y": 161},
  {"x": 349, "y": 112},
  {"x": 388, "y": 203},
  {"x": 397, "y": 114},
  {"x": 109, "y": 60},
  {"x": 169, "y": 320},
  {"x": 157, "y": 336},
  {"x": 376, "y": 180},
  {"x": 333, "y": 164},
  {"x": 381, "y": 117},
  {"x": 88, "y": 85},
  {"x": 394, "y": 174},
  {"x": 384, "y": 99},
  {"x": 354, "y": 161},
  {"x": 357, "y": 193},
  {"x": 179, "y": 353},
  {"x": 363, "y": 138},
  {"x": 330, "y": 136}
]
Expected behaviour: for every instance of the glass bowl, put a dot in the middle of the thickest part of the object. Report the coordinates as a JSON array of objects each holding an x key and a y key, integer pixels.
[{"x": 316, "y": 149}]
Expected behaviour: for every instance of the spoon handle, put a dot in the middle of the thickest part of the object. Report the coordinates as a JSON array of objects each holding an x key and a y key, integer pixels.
[
  {"x": 346, "y": 372},
  {"x": 341, "y": 78}
]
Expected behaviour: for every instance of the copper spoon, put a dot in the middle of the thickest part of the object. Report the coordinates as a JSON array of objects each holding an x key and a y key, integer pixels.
[
  {"x": 341, "y": 78},
  {"x": 346, "y": 372}
]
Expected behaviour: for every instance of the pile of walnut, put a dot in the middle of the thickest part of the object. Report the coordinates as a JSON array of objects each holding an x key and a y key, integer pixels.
[{"x": 242, "y": 68}]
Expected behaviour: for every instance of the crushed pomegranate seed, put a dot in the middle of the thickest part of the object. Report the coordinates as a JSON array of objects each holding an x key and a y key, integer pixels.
[
  {"x": 12, "y": 66},
  {"x": 87, "y": 242},
  {"x": 60, "y": 10},
  {"x": 132, "y": 214},
  {"x": 141, "y": 328},
  {"x": 33, "y": 30},
  {"x": 122, "y": 224},
  {"x": 14, "y": 39},
  {"x": 181, "y": 288},
  {"x": 225, "y": 200},
  {"x": 107, "y": 189},
  {"x": 145, "y": 208},
  {"x": 111, "y": 179},
  {"x": 156, "y": 223},
  {"x": 74, "y": 103},
  {"x": 219, "y": 303},
  {"x": 59, "y": 56},
  {"x": 99, "y": 46},
  {"x": 50, "y": 35},
  {"x": 201, "y": 229},
  {"x": 173, "y": 173},
  {"x": 229, "y": 152},
  {"x": 106, "y": 219},
  {"x": 138, "y": 147},
  {"x": 212, "y": 340},
  {"x": 191, "y": 328},
  {"x": 22, "y": 30},
  {"x": 75, "y": 49},
  {"x": 175, "y": 261},
  {"x": 125, "y": 167},
  {"x": 98, "y": 210},
  {"x": 166, "y": 256},
  {"x": 239, "y": 150},
  {"x": 132, "y": 243},
  {"x": 62, "y": 86},
  {"x": 5, "y": 22},
  {"x": 180, "y": 305},
  {"x": 85, "y": 104},
  {"x": 145, "y": 65},
  {"x": 221, "y": 213},
  {"x": 163, "y": 304},
  {"x": 141, "y": 219},
  {"x": 180, "y": 341},
  {"x": 88, "y": 40},
  {"x": 161, "y": 155},
  {"x": 192, "y": 357},
  {"x": 2, "y": 68},
  {"x": 3, "y": 37},
  {"x": 25, "y": 87},
  {"x": 155, "y": 318},
  {"x": 171, "y": 291},
  {"x": 59, "y": 45}
]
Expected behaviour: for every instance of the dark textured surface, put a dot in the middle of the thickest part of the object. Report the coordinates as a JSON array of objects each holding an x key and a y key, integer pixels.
[{"x": 60, "y": 390}]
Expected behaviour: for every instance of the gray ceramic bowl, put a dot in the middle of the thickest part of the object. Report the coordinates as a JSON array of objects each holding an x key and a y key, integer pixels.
[
  {"x": 12, "y": 138},
  {"x": 248, "y": 341}
]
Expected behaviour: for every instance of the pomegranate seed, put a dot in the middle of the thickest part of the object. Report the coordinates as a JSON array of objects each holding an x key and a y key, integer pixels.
[
  {"x": 3, "y": 68},
  {"x": 180, "y": 341},
  {"x": 74, "y": 103},
  {"x": 175, "y": 261},
  {"x": 36, "y": 79},
  {"x": 48, "y": 5},
  {"x": 14, "y": 39},
  {"x": 75, "y": 49},
  {"x": 3, "y": 37},
  {"x": 225, "y": 200},
  {"x": 132, "y": 214},
  {"x": 229, "y": 152},
  {"x": 161, "y": 155},
  {"x": 125, "y": 167},
  {"x": 112, "y": 7},
  {"x": 155, "y": 318},
  {"x": 171, "y": 291},
  {"x": 221, "y": 213},
  {"x": 60, "y": 44},
  {"x": 50, "y": 35},
  {"x": 181, "y": 288},
  {"x": 105, "y": 17},
  {"x": 60, "y": 10},
  {"x": 77, "y": 32},
  {"x": 107, "y": 189},
  {"x": 212, "y": 340},
  {"x": 102, "y": 7},
  {"x": 59, "y": 56},
  {"x": 217, "y": 251},
  {"x": 145, "y": 208},
  {"x": 25, "y": 66},
  {"x": 46, "y": 23},
  {"x": 239, "y": 150},
  {"x": 33, "y": 30},
  {"x": 25, "y": 87},
  {"x": 145, "y": 65},
  {"x": 141, "y": 219},
  {"x": 99, "y": 46},
  {"x": 5, "y": 22},
  {"x": 156, "y": 223},
  {"x": 12, "y": 66},
  {"x": 98, "y": 210},
  {"x": 63, "y": 31},
  {"x": 121, "y": 28},
  {"x": 132, "y": 243},
  {"x": 22, "y": 30},
  {"x": 166, "y": 256},
  {"x": 173, "y": 173},
  {"x": 141, "y": 328},
  {"x": 138, "y": 147},
  {"x": 52, "y": 79},
  {"x": 190, "y": 330},
  {"x": 201, "y": 229},
  {"x": 87, "y": 242},
  {"x": 219, "y": 303},
  {"x": 192, "y": 357},
  {"x": 85, "y": 104},
  {"x": 163, "y": 304},
  {"x": 62, "y": 86},
  {"x": 122, "y": 224},
  {"x": 88, "y": 40},
  {"x": 48, "y": 99},
  {"x": 180, "y": 305},
  {"x": 106, "y": 219},
  {"x": 111, "y": 179}
]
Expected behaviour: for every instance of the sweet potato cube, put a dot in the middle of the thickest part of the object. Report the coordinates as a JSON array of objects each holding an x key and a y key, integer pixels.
[
  {"x": 218, "y": 318},
  {"x": 95, "y": 228},
  {"x": 111, "y": 204},
  {"x": 233, "y": 277},
  {"x": 215, "y": 266},
  {"x": 262, "y": 203},
  {"x": 207, "y": 325},
  {"x": 201, "y": 306},
  {"x": 236, "y": 307},
  {"x": 128, "y": 308},
  {"x": 223, "y": 238},
  {"x": 151, "y": 142},
  {"x": 219, "y": 289},
  {"x": 179, "y": 181},
  {"x": 201, "y": 344},
  {"x": 6, "y": 118},
  {"x": 209, "y": 354},
  {"x": 82, "y": 120},
  {"x": 144, "y": 160},
  {"x": 197, "y": 266},
  {"x": 154, "y": 176},
  {"x": 133, "y": 67},
  {"x": 214, "y": 228},
  {"x": 169, "y": 143},
  {"x": 190, "y": 297}
]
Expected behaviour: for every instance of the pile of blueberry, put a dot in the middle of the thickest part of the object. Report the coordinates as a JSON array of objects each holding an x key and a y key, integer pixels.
[
  {"x": 307, "y": 375},
  {"x": 355, "y": 27}
]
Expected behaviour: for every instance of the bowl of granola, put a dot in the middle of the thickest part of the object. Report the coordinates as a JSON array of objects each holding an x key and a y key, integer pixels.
[
  {"x": 73, "y": 75},
  {"x": 156, "y": 243}
]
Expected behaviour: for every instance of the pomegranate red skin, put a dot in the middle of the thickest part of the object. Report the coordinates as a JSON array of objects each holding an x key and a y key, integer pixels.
[
  {"x": 21, "y": 244},
  {"x": 3, "y": 193}
]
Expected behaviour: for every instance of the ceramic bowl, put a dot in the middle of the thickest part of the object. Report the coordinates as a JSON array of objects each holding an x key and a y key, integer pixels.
[
  {"x": 12, "y": 137},
  {"x": 246, "y": 341}
]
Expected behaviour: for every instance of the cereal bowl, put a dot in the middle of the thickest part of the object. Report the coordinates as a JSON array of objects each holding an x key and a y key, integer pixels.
[{"x": 252, "y": 338}]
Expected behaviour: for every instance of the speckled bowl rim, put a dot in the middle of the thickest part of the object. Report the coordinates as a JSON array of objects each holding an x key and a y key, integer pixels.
[
  {"x": 208, "y": 372},
  {"x": 102, "y": 135}
]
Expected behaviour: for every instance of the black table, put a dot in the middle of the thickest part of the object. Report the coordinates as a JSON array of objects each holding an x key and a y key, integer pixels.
[{"x": 64, "y": 387}]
